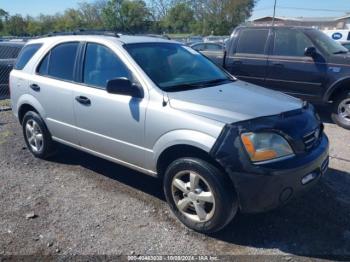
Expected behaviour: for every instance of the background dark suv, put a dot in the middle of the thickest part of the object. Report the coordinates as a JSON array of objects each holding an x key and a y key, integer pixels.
[
  {"x": 8, "y": 54},
  {"x": 302, "y": 62}
]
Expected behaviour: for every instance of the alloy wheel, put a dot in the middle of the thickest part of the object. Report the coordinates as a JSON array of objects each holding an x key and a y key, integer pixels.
[
  {"x": 344, "y": 110},
  {"x": 34, "y": 135},
  {"x": 193, "y": 196}
]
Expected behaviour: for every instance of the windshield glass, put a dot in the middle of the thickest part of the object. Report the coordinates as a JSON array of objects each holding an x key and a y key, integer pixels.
[
  {"x": 174, "y": 67},
  {"x": 326, "y": 43}
]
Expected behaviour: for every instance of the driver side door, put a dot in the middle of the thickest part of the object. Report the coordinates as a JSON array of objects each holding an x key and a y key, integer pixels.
[
  {"x": 290, "y": 71},
  {"x": 108, "y": 124}
]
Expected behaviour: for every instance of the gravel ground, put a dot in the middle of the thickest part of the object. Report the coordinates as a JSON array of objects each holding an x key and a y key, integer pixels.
[{"x": 83, "y": 205}]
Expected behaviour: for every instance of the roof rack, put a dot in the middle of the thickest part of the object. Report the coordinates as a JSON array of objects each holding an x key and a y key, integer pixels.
[{"x": 86, "y": 32}]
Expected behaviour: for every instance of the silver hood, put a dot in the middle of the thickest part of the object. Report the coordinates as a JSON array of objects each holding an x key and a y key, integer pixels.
[{"x": 233, "y": 102}]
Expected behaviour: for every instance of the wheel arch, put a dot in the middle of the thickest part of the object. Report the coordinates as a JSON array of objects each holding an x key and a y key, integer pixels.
[
  {"x": 28, "y": 103},
  {"x": 174, "y": 152},
  {"x": 337, "y": 88}
]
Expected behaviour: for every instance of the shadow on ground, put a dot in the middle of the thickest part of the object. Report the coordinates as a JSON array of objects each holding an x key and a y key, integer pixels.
[{"x": 315, "y": 225}]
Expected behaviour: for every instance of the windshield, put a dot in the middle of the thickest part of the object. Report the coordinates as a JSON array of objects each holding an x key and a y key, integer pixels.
[
  {"x": 326, "y": 43},
  {"x": 174, "y": 67}
]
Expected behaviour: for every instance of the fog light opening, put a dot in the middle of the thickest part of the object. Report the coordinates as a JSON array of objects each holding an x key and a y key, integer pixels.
[{"x": 308, "y": 178}]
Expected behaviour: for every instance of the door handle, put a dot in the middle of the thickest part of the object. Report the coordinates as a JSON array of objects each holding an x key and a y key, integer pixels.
[
  {"x": 35, "y": 87},
  {"x": 237, "y": 62},
  {"x": 83, "y": 100},
  {"x": 278, "y": 65}
]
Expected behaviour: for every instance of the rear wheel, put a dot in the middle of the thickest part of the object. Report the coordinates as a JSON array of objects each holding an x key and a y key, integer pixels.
[
  {"x": 341, "y": 110},
  {"x": 200, "y": 195},
  {"x": 36, "y": 135}
]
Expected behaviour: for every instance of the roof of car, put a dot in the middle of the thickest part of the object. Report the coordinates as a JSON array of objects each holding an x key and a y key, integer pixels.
[
  {"x": 275, "y": 26},
  {"x": 121, "y": 39}
]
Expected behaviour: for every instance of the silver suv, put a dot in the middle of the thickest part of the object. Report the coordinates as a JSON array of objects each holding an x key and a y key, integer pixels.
[{"x": 219, "y": 145}]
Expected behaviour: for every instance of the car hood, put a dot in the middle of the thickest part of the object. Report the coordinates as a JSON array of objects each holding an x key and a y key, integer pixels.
[
  {"x": 233, "y": 102},
  {"x": 341, "y": 59}
]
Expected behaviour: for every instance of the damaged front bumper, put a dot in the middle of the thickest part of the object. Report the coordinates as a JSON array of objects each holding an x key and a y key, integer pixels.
[{"x": 264, "y": 186}]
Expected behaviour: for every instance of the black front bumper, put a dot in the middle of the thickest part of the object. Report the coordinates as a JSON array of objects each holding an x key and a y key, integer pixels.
[
  {"x": 265, "y": 186},
  {"x": 272, "y": 186}
]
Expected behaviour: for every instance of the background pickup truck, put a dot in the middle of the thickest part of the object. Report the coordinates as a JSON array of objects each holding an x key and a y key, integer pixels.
[{"x": 302, "y": 62}]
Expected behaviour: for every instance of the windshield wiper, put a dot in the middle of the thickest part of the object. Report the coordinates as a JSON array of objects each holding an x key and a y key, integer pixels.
[
  {"x": 217, "y": 81},
  {"x": 213, "y": 82},
  {"x": 340, "y": 52}
]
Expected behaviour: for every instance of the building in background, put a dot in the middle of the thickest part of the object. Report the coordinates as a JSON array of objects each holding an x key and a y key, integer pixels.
[{"x": 322, "y": 23}]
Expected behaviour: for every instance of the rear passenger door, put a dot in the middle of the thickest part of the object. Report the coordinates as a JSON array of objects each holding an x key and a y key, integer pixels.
[
  {"x": 247, "y": 59},
  {"x": 109, "y": 124},
  {"x": 292, "y": 72},
  {"x": 53, "y": 86}
]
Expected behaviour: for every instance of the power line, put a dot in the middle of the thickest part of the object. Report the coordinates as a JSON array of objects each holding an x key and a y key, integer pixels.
[
  {"x": 302, "y": 8},
  {"x": 312, "y": 9}
]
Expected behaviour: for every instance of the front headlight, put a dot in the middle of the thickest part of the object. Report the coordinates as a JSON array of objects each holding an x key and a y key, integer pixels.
[{"x": 265, "y": 146}]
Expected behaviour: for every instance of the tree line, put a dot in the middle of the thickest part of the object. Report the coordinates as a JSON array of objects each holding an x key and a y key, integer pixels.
[{"x": 202, "y": 17}]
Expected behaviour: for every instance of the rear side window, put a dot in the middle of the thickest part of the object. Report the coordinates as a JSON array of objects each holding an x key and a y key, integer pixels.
[
  {"x": 252, "y": 41},
  {"x": 199, "y": 47},
  {"x": 213, "y": 47},
  {"x": 102, "y": 64},
  {"x": 44, "y": 65},
  {"x": 61, "y": 62},
  {"x": 26, "y": 54}
]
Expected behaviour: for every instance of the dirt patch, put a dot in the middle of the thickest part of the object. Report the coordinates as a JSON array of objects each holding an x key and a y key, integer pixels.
[{"x": 84, "y": 205}]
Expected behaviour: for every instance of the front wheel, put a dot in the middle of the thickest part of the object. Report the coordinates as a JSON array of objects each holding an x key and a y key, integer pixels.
[
  {"x": 200, "y": 195},
  {"x": 341, "y": 110}
]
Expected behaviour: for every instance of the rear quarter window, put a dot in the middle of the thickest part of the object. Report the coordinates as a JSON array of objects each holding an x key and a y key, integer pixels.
[{"x": 25, "y": 55}]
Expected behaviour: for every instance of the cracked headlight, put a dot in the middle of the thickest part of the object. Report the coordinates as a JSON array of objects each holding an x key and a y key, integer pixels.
[{"x": 266, "y": 146}]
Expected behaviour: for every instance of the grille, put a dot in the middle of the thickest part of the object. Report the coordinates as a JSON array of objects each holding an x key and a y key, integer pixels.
[
  {"x": 324, "y": 166},
  {"x": 312, "y": 139}
]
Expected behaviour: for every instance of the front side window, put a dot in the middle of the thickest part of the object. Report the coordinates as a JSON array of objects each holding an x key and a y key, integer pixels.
[
  {"x": 62, "y": 61},
  {"x": 290, "y": 42},
  {"x": 25, "y": 55},
  {"x": 252, "y": 41},
  {"x": 102, "y": 64},
  {"x": 174, "y": 67},
  {"x": 328, "y": 45}
]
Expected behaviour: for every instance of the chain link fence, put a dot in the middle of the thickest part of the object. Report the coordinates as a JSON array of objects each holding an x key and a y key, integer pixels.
[{"x": 9, "y": 50}]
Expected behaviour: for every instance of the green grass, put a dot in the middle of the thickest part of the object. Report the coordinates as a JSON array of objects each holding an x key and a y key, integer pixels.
[
  {"x": 4, "y": 103},
  {"x": 3, "y": 136}
]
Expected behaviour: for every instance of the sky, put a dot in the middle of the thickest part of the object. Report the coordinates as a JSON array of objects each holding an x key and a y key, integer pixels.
[{"x": 299, "y": 8}]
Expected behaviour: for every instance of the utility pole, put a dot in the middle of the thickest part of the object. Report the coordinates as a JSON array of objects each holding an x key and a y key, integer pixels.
[{"x": 274, "y": 13}]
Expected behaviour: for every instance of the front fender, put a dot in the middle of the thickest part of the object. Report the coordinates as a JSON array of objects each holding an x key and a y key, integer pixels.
[{"x": 182, "y": 137}]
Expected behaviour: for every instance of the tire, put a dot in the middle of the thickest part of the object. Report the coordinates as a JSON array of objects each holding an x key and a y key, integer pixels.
[
  {"x": 222, "y": 203},
  {"x": 341, "y": 110},
  {"x": 37, "y": 136}
]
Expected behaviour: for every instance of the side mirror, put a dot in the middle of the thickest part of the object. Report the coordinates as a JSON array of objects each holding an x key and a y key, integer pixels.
[
  {"x": 123, "y": 86},
  {"x": 310, "y": 51}
]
